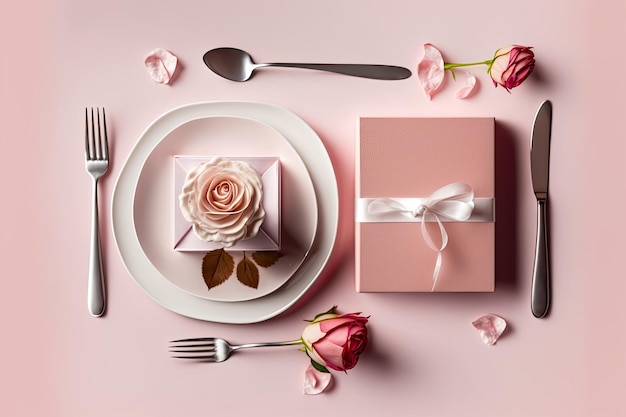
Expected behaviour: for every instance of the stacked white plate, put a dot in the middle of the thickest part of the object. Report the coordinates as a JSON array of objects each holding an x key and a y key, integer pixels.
[{"x": 144, "y": 204}]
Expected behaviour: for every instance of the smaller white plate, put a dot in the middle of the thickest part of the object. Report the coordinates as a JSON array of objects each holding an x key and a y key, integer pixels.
[{"x": 236, "y": 137}]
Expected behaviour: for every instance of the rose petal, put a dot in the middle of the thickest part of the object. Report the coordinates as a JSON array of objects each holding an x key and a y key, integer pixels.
[
  {"x": 490, "y": 328},
  {"x": 430, "y": 70},
  {"x": 331, "y": 354},
  {"x": 161, "y": 65},
  {"x": 312, "y": 333},
  {"x": 315, "y": 382},
  {"x": 469, "y": 87}
]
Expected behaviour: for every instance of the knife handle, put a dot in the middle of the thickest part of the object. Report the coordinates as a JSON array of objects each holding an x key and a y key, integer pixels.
[{"x": 540, "y": 291}]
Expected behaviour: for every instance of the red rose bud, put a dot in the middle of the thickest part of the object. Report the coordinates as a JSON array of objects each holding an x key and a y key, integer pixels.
[{"x": 511, "y": 66}]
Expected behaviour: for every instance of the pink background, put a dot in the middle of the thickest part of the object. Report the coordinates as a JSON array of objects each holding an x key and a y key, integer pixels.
[{"x": 425, "y": 357}]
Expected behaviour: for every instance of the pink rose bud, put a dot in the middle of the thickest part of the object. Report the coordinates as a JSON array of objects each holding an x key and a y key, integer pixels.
[
  {"x": 335, "y": 341},
  {"x": 511, "y": 66}
]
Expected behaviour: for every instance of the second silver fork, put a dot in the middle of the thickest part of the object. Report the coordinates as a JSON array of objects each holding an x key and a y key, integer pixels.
[
  {"x": 214, "y": 349},
  {"x": 97, "y": 164}
]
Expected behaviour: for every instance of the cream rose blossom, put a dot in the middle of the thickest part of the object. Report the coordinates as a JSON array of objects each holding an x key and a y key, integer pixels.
[{"x": 223, "y": 199}]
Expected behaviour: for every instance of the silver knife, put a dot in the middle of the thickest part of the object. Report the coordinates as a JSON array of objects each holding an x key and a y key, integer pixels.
[{"x": 540, "y": 167}]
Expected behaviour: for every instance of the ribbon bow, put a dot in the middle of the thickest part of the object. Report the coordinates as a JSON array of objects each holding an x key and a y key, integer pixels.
[{"x": 454, "y": 201}]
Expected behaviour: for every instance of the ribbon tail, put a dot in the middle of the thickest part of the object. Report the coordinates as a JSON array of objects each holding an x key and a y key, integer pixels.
[
  {"x": 431, "y": 244},
  {"x": 436, "y": 270}
]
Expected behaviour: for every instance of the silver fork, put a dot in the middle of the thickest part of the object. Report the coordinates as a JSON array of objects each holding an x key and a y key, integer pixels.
[
  {"x": 214, "y": 349},
  {"x": 97, "y": 163}
]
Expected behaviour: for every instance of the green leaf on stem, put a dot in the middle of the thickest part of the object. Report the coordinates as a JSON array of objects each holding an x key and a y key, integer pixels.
[
  {"x": 331, "y": 311},
  {"x": 319, "y": 367}
]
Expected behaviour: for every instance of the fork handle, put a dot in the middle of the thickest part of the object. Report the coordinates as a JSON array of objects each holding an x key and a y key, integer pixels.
[
  {"x": 268, "y": 344},
  {"x": 95, "y": 284}
]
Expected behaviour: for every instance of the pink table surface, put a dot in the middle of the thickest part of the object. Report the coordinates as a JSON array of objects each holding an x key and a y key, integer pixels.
[{"x": 425, "y": 358}]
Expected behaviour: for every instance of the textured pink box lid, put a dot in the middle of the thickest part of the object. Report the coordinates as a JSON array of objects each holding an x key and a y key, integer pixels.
[{"x": 412, "y": 157}]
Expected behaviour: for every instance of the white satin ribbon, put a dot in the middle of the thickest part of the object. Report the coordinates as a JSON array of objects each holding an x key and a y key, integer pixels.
[{"x": 452, "y": 202}]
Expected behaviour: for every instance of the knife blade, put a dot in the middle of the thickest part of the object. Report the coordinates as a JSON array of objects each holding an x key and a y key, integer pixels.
[{"x": 540, "y": 168}]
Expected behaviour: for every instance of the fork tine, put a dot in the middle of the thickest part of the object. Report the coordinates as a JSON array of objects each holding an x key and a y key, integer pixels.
[
  {"x": 192, "y": 350},
  {"x": 87, "y": 136},
  {"x": 194, "y": 339},
  {"x": 205, "y": 345},
  {"x": 199, "y": 358},
  {"x": 92, "y": 141},
  {"x": 105, "y": 140},
  {"x": 98, "y": 135}
]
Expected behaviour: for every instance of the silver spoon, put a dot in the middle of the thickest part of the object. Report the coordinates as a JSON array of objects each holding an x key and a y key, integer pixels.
[{"x": 237, "y": 65}]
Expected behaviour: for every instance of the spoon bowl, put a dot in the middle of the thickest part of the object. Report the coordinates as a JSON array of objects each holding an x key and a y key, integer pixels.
[
  {"x": 230, "y": 63},
  {"x": 237, "y": 65}
]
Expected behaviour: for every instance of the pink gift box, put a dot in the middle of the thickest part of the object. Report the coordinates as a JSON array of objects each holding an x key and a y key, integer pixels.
[
  {"x": 410, "y": 158},
  {"x": 268, "y": 237}
]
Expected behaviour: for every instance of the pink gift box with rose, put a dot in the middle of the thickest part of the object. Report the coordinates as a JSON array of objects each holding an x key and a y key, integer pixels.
[{"x": 425, "y": 205}]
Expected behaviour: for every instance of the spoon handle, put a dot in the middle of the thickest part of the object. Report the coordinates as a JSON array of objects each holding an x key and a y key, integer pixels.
[{"x": 377, "y": 72}]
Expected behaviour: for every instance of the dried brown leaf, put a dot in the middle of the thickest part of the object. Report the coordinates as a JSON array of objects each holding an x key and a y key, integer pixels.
[
  {"x": 217, "y": 266},
  {"x": 248, "y": 273},
  {"x": 266, "y": 259}
]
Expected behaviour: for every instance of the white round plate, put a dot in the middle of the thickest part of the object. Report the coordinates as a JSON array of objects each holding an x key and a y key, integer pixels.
[
  {"x": 156, "y": 202},
  {"x": 311, "y": 150}
]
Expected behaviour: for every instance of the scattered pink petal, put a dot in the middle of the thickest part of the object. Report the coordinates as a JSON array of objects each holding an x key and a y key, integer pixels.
[
  {"x": 430, "y": 70},
  {"x": 490, "y": 328},
  {"x": 161, "y": 65},
  {"x": 469, "y": 87},
  {"x": 315, "y": 382}
]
